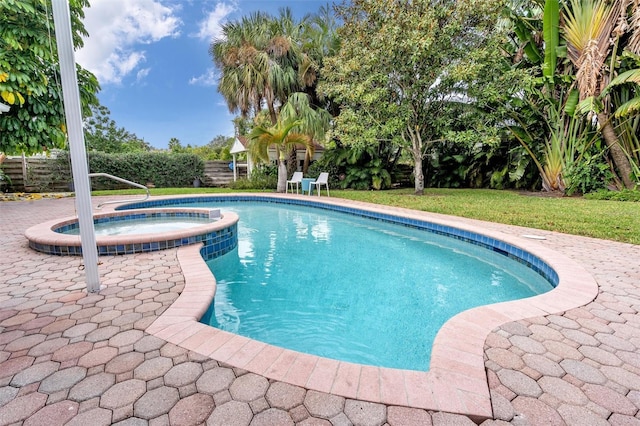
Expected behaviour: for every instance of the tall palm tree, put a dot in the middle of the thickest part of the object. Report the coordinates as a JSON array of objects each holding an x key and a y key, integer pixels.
[
  {"x": 258, "y": 63},
  {"x": 281, "y": 137}
]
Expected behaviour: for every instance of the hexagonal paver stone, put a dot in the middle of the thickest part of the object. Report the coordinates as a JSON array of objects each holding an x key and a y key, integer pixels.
[
  {"x": 231, "y": 413},
  {"x": 564, "y": 391},
  {"x": 123, "y": 393},
  {"x": 215, "y": 380},
  {"x": 272, "y": 416},
  {"x": 94, "y": 417},
  {"x": 125, "y": 362},
  {"x": 519, "y": 383},
  {"x": 35, "y": 373},
  {"x": 573, "y": 415},
  {"x": 103, "y": 333},
  {"x": 48, "y": 347},
  {"x": 183, "y": 374},
  {"x": 97, "y": 356},
  {"x": 126, "y": 338},
  {"x": 313, "y": 421},
  {"x": 405, "y": 416},
  {"x": 92, "y": 387},
  {"x": 148, "y": 344},
  {"x": 441, "y": 418},
  {"x": 192, "y": 410},
  {"x": 362, "y": 412},
  {"x": 7, "y": 393},
  {"x": 25, "y": 342},
  {"x": 72, "y": 351},
  {"x": 80, "y": 330},
  {"x": 132, "y": 421},
  {"x": 285, "y": 396},
  {"x": 610, "y": 399},
  {"x": 62, "y": 379},
  {"x": 14, "y": 365},
  {"x": 534, "y": 411},
  {"x": 156, "y": 402},
  {"x": 323, "y": 405},
  {"x": 22, "y": 407},
  {"x": 249, "y": 387},
  {"x": 583, "y": 371},
  {"x": 153, "y": 368},
  {"x": 55, "y": 414}
]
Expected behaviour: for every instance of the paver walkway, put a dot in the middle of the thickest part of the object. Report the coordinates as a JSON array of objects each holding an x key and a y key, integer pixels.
[{"x": 68, "y": 357}]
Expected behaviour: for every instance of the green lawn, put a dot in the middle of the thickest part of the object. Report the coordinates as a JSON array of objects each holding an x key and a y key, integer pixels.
[{"x": 611, "y": 220}]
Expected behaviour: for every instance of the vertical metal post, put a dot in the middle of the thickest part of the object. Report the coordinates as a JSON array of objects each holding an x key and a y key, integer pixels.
[{"x": 79, "y": 167}]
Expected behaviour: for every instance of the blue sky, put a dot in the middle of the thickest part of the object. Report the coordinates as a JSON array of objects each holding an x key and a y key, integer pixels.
[{"x": 152, "y": 60}]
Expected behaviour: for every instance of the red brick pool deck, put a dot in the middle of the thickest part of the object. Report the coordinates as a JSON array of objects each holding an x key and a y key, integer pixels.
[{"x": 134, "y": 354}]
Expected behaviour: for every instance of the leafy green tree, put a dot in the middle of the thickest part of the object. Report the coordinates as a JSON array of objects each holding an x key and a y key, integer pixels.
[
  {"x": 405, "y": 71},
  {"x": 101, "y": 133},
  {"x": 29, "y": 76}
]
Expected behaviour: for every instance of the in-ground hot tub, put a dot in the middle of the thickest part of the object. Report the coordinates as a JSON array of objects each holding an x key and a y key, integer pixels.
[{"x": 159, "y": 229}]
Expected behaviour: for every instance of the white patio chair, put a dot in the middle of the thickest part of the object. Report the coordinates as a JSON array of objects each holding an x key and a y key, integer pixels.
[
  {"x": 295, "y": 179},
  {"x": 323, "y": 179}
]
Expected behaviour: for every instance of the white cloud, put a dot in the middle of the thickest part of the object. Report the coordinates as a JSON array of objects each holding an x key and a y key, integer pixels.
[
  {"x": 209, "y": 78},
  {"x": 116, "y": 29},
  {"x": 142, "y": 74},
  {"x": 210, "y": 27}
]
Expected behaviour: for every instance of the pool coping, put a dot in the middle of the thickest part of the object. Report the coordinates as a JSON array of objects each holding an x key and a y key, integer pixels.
[{"x": 456, "y": 381}]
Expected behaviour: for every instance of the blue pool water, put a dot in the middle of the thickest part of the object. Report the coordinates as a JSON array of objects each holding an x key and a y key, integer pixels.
[
  {"x": 148, "y": 225},
  {"x": 350, "y": 288}
]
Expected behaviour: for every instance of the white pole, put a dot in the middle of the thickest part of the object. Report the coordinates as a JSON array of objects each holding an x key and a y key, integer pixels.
[
  {"x": 79, "y": 167},
  {"x": 234, "y": 167}
]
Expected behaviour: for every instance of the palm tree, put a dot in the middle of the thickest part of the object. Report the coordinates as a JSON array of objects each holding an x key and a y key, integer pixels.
[
  {"x": 311, "y": 122},
  {"x": 258, "y": 63},
  {"x": 589, "y": 26},
  {"x": 281, "y": 137}
]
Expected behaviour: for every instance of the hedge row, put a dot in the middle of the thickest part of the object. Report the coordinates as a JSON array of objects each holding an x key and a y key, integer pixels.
[{"x": 163, "y": 170}]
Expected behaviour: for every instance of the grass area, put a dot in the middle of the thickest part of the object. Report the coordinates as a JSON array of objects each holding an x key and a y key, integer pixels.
[{"x": 610, "y": 220}]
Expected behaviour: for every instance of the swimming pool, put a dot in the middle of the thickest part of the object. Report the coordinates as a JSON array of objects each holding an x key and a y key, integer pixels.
[
  {"x": 351, "y": 288},
  {"x": 456, "y": 381}
]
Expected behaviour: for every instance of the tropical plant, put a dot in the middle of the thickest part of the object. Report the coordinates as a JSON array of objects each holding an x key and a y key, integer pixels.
[
  {"x": 29, "y": 76},
  {"x": 258, "y": 63},
  {"x": 280, "y": 137},
  {"x": 312, "y": 122},
  {"x": 589, "y": 25}
]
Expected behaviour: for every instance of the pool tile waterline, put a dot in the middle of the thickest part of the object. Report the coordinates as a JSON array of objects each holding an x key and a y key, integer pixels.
[
  {"x": 456, "y": 381},
  {"x": 497, "y": 246}
]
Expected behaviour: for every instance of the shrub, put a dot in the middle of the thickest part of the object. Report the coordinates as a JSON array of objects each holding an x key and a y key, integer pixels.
[
  {"x": 624, "y": 195},
  {"x": 262, "y": 177},
  {"x": 164, "y": 170}
]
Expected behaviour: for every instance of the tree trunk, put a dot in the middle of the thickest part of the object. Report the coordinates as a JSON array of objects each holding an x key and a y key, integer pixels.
[
  {"x": 416, "y": 152},
  {"x": 292, "y": 163},
  {"x": 419, "y": 176},
  {"x": 282, "y": 176},
  {"x": 620, "y": 159}
]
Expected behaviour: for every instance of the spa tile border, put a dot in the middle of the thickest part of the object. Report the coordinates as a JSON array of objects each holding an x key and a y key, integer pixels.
[
  {"x": 218, "y": 237},
  {"x": 456, "y": 381}
]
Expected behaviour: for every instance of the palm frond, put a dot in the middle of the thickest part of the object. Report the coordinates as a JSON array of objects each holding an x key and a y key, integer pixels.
[
  {"x": 630, "y": 107},
  {"x": 588, "y": 25}
]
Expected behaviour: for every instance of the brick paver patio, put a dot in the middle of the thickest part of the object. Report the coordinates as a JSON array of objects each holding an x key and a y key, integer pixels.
[{"x": 68, "y": 357}]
